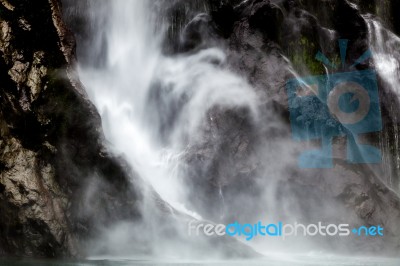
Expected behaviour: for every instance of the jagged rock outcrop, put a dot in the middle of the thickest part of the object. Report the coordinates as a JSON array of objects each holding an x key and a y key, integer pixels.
[{"x": 51, "y": 147}]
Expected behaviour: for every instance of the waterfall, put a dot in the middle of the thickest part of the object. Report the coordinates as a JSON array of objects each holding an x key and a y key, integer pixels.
[
  {"x": 386, "y": 55},
  {"x": 161, "y": 108},
  {"x": 153, "y": 105}
]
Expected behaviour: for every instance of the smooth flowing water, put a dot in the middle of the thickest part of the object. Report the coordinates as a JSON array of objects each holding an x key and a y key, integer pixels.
[
  {"x": 152, "y": 133},
  {"x": 152, "y": 105}
]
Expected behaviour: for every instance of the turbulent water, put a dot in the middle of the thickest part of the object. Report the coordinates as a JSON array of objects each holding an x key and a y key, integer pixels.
[
  {"x": 135, "y": 73},
  {"x": 153, "y": 105}
]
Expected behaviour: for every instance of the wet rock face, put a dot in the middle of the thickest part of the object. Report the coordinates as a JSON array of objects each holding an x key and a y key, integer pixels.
[
  {"x": 33, "y": 217},
  {"x": 50, "y": 144}
]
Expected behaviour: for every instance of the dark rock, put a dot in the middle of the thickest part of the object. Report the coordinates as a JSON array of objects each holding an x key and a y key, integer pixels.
[
  {"x": 51, "y": 141},
  {"x": 395, "y": 6}
]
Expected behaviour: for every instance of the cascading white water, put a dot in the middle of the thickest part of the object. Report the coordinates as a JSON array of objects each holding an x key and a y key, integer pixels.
[
  {"x": 385, "y": 47},
  {"x": 135, "y": 71}
]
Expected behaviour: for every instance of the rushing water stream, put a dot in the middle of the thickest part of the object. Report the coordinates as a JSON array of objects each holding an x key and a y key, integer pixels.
[
  {"x": 134, "y": 71},
  {"x": 385, "y": 47}
]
